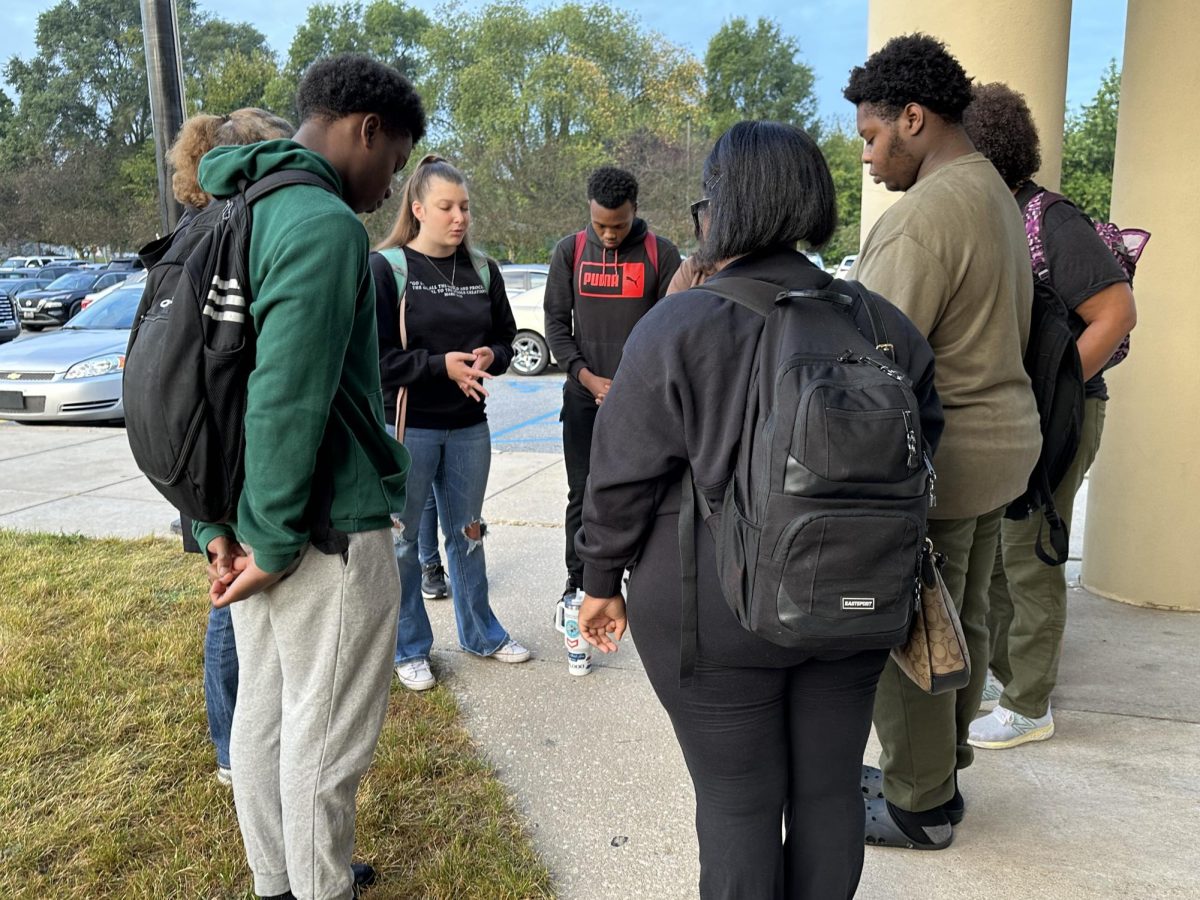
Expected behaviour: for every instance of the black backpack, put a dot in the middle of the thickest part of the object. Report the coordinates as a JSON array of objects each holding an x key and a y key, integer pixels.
[
  {"x": 819, "y": 535},
  {"x": 1052, "y": 362},
  {"x": 190, "y": 355}
]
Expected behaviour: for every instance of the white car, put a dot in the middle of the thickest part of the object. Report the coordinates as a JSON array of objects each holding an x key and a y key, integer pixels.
[
  {"x": 531, "y": 353},
  {"x": 845, "y": 266}
]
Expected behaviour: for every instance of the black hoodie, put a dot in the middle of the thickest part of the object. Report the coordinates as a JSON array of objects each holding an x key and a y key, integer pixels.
[{"x": 590, "y": 310}]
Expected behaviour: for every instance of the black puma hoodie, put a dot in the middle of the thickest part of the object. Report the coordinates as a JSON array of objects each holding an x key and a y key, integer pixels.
[{"x": 591, "y": 308}]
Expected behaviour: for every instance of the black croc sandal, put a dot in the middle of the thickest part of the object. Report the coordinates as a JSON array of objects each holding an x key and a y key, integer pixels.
[
  {"x": 872, "y": 783},
  {"x": 882, "y": 831}
]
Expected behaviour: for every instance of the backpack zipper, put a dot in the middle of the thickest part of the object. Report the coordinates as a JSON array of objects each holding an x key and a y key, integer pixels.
[
  {"x": 910, "y": 439},
  {"x": 849, "y": 357}
]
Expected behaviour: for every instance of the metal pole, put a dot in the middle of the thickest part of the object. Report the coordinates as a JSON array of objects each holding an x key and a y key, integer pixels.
[{"x": 160, "y": 30}]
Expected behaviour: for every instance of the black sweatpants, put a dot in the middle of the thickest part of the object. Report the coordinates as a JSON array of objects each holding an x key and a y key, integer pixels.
[
  {"x": 578, "y": 420},
  {"x": 767, "y": 737}
]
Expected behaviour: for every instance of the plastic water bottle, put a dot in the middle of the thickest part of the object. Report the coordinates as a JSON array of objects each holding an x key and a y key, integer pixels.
[{"x": 566, "y": 620}]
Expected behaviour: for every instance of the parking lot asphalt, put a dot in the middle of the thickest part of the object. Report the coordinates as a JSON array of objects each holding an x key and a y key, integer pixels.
[{"x": 1109, "y": 808}]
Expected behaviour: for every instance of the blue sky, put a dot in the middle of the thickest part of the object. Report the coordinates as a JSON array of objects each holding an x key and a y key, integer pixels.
[{"x": 832, "y": 33}]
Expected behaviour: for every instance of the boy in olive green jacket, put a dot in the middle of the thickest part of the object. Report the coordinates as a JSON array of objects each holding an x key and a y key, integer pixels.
[{"x": 314, "y": 649}]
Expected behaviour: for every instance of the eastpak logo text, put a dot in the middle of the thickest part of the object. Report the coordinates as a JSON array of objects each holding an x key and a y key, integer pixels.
[{"x": 856, "y": 603}]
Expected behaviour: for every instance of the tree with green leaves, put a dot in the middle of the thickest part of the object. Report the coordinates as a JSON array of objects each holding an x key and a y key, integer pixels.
[
  {"x": 389, "y": 30},
  {"x": 1089, "y": 148},
  {"x": 843, "y": 148},
  {"x": 529, "y": 101},
  {"x": 757, "y": 73},
  {"x": 77, "y": 154}
]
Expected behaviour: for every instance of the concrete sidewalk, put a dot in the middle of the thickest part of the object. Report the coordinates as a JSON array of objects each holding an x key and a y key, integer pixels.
[{"x": 1110, "y": 808}]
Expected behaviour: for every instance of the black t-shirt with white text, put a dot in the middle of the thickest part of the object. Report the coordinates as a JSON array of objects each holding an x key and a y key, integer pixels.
[
  {"x": 1079, "y": 262},
  {"x": 447, "y": 309}
]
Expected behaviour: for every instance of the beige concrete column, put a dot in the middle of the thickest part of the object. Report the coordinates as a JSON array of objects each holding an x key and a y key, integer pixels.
[
  {"x": 1023, "y": 43},
  {"x": 1142, "y": 539}
]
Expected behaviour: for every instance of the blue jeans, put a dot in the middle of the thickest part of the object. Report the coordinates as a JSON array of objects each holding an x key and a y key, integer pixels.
[
  {"x": 220, "y": 680},
  {"x": 456, "y": 463},
  {"x": 427, "y": 548}
]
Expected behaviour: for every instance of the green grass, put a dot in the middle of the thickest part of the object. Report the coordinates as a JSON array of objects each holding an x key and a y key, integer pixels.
[{"x": 106, "y": 771}]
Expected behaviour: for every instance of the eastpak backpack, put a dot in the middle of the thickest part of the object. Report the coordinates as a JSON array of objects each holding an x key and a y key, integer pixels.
[
  {"x": 190, "y": 354},
  {"x": 820, "y": 531}
]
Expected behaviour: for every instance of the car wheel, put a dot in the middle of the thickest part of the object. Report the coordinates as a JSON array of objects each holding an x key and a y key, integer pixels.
[
  {"x": 531, "y": 354},
  {"x": 33, "y": 327},
  {"x": 75, "y": 308}
]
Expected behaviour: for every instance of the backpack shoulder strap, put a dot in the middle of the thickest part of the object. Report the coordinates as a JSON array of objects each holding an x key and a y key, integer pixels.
[
  {"x": 580, "y": 243},
  {"x": 879, "y": 335},
  {"x": 651, "y": 244},
  {"x": 399, "y": 263},
  {"x": 482, "y": 265},
  {"x": 760, "y": 296},
  {"x": 1035, "y": 216},
  {"x": 259, "y": 189}
]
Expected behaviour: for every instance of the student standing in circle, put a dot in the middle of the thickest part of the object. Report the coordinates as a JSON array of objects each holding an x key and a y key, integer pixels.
[{"x": 454, "y": 332}]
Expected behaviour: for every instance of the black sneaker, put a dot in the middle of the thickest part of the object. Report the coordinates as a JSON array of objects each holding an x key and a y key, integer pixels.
[
  {"x": 433, "y": 582},
  {"x": 364, "y": 877}
]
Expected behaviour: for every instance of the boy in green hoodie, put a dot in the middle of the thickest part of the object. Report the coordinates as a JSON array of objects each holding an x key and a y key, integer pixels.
[{"x": 314, "y": 649}]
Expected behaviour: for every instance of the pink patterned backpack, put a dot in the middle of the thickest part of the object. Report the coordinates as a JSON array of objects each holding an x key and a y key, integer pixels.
[{"x": 1126, "y": 244}]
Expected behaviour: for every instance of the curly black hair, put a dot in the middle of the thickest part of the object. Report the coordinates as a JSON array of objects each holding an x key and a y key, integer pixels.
[
  {"x": 611, "y": 187},
  {"x": 1000, "y": 125},
  {"x": 355, "y": 83},
  {"x": 912, "y": 68}
]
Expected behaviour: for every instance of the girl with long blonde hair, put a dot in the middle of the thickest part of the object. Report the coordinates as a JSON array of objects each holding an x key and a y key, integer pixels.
[{"x": 445, "y": 328}]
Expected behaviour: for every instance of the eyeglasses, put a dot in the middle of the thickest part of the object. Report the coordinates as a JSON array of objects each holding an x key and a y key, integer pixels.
[{"x": 699, "y": 208}]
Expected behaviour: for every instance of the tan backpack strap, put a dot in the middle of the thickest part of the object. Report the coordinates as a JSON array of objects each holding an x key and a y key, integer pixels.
[{"x": 402, "y": 393}]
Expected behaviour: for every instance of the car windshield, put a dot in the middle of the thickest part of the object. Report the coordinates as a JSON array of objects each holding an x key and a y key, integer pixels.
[
  {"x": 75, "y": 281},
  {"x": 13, "y": 262},
  {"x": 114, "y": 311}
]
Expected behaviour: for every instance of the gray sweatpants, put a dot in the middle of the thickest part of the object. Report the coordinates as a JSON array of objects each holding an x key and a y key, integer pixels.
[{"x": 315, "y": 658}]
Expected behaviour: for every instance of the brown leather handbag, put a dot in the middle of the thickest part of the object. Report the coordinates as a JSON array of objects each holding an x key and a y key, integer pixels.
[{"x": 935, "y": 655}]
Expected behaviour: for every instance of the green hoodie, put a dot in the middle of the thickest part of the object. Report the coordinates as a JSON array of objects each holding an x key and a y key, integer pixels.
[{"x": 313, "y": 307}]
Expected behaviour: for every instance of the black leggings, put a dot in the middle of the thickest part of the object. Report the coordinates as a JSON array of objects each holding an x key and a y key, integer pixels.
[{"x": 760, "y": 743}]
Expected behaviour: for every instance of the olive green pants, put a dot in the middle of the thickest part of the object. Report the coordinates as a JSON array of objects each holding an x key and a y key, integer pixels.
[
  {"x": 924, "y": 737},
  {"x": 1028, "y": 609}
]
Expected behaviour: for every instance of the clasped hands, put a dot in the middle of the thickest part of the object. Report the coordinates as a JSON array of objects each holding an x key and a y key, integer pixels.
[
  {"x": 232, "y": 573},
  {"x": 468, "y": 370}
]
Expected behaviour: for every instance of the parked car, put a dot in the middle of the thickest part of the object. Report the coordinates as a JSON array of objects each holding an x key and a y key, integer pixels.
[
  {"x": 50, "y": 272},
  {"x": 845, "y": 266},
  {"x": 531, "y": 353},
  {"x": 815, "y": 258},
  {"x": 27, "y": 262},
  {"x": 72, "y": 375},
  {"x": 62, "y": 299},
  {"x": 124, "y": 263},
  {"x": 10, "y": 326},
  {"x": 521, "y": 277},
  {"x": 139, "y": 275}
]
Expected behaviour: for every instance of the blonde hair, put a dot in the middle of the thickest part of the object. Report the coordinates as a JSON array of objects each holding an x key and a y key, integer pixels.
[
  {"x": 201, "y": 133},
  {"x": 416, "y": 186}
]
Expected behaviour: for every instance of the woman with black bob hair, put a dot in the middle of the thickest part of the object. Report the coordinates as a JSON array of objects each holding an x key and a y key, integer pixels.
[{"x": 769, "y": 734}]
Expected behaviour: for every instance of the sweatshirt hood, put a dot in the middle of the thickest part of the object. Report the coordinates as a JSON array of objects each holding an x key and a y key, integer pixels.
[
  {"x": 223, "y": 167},
  {"x": 636, "y": 235}
]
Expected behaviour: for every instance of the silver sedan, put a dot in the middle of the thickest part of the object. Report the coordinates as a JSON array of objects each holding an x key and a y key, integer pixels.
[{"x": 72, "y": 375}]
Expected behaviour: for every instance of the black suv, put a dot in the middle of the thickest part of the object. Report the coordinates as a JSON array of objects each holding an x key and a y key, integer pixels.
[{"x": 56, "y": 303}]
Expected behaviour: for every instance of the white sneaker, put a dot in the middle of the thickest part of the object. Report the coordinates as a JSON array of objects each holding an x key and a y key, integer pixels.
[
  {"x": 225, "y": 776},
  {"x": 416, "y": 675},
  {"x": 511, "y": 652},
  {"x": 1002, "y": 728},
  {"x": 992, "y": 689}
]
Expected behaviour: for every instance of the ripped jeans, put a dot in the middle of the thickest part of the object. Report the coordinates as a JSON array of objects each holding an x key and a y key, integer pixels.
[{"x": 456, "y": 462}]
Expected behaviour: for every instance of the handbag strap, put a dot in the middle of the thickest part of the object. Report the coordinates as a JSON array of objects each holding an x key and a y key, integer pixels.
[{"x": 689, "y": 611}]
